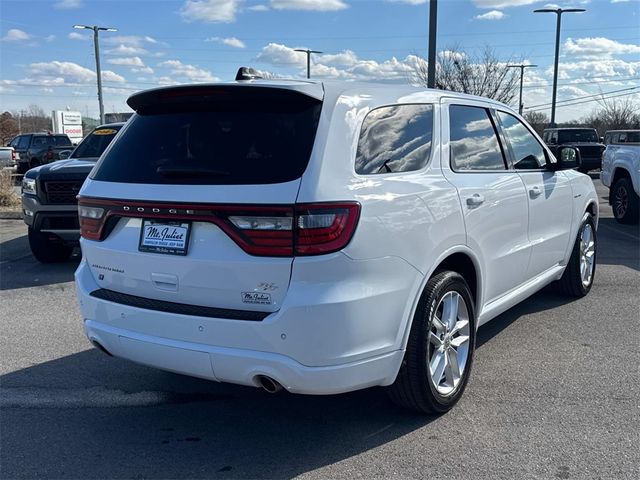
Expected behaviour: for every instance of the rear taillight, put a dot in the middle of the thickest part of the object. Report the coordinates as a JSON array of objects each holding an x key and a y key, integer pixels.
[
  {"x": 91, "y": 221},
  {"x": 268, "y": 231},
  {"x": 13, "y": 155}
]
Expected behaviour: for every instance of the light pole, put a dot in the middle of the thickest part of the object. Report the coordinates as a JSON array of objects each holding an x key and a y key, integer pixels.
[
  {"x": 431, "y": 61},
  {"x": 521, "y": 67},
  {"x": 308, "y": 52},
  {"x": 96, "y": 46},
  {"x": 558, "y": 12}
]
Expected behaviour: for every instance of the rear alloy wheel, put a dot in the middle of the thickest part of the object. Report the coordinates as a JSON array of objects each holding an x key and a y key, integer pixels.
[
  {"x": 624, "y": 201},
  {"x": 439, "y": 352},
  {"x": 578, "y": 276},
  {"x": 46, "y": 250}
]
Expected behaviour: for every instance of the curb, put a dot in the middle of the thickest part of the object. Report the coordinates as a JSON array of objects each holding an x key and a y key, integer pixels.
[{"x": 11, "y": 215}]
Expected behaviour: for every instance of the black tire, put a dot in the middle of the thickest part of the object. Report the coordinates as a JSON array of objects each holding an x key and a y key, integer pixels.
[
  {"x": 413, "y": 388},
  {"x": 571, "y": 282},
  {"x": 46, "y": 250},
  {"x": 624, "y": 201}
]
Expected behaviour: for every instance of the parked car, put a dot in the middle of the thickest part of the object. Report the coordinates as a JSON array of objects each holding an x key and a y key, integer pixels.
[
  {"x": 324, "y": 237},
  {"x": 621, "y": 173},
  {"x": 584, "y": 139},
  {"x": 36, "y": 149},
  {"x": 8, "y": 157},
  {"x": 49, "y": 197}
]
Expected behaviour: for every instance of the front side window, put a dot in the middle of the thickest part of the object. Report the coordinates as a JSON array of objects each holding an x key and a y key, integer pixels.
[
  {"x": 526, "y": 151},
  {"x": 473, "y": 140},
  {"x": 395, "y": 139}
]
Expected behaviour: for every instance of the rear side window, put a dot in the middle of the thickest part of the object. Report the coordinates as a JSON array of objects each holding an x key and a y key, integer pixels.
[
  {"x": 95, "y": 143},
  {"x": 23, "y": 143},
  {"x": 395, "y": 139},
  {"x": 526, "y": 151},
  {"x": 473, "y": 140},
  {"x": 232, "y": 139}
]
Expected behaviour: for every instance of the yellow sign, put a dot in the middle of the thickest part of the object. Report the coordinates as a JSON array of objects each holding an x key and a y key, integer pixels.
[{"x": 105, "y": 131}]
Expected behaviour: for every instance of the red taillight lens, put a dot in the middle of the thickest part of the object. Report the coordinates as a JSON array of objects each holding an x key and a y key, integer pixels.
[
  {"x": 13, "y": 155},
  {"x": 91, "y": 221},
  {"x": 325, "y": 228},
  {"x": 263, "y": 233}
]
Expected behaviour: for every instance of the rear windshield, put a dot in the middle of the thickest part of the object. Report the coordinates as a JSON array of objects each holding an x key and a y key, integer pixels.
[
  {"x": 237, "y": 141},
  {"x": 51, "y": 141},
  {"x": 568, "y": 136},
  {"x": 95, "y": 143}
]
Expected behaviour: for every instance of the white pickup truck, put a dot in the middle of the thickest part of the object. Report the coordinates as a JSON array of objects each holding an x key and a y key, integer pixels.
[{"x": 621, "y": 173}]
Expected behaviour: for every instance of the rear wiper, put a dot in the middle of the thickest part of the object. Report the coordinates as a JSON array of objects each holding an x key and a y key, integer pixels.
[{"x": 186, "y": 172}]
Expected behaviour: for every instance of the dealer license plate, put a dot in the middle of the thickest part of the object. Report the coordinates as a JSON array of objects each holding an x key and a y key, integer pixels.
[{"x": 161, "y": 236}]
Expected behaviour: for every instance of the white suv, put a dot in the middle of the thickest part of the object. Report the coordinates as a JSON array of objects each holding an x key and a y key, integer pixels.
[{"x": 324, "y": 237}]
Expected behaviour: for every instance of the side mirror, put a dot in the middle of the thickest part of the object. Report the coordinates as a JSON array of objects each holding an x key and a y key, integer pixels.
[
  {"x": 64, "y": 154},
  {"x": 567, "y": 158}
]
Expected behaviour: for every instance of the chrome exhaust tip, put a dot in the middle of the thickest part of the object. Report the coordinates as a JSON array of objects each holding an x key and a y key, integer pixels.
[{"x": 268, "y": 384}]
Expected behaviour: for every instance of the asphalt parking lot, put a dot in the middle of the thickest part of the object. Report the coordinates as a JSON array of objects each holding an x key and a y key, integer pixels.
[{"x": 555, "y": 393}]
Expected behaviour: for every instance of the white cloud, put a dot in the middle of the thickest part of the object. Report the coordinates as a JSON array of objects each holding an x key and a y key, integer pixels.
[
  {"x": 343, "y": 65},
  {"x": 67, "y": 4},
  {"x": 78, "y": 36},
  {"x": 127, "y": 61},
  {"x": 410, "y": 2},
  {"x": 491, "y": 15},
  {"x": 258, "y": 8},
  {"x": 58, "y": 73},
  {"x": 190, "y": 72},
  {"x": 49, "y": 38},
  {"x": 15, "y": 35},
  {"x": 128, "y": 40},
  {"x": 316, "y": 5},
  {"x": 142, "y": 70},
  {"x": 231, "y": 41},
  {"x": 210, "y": 11},
  {"x": 502, "y": 3},
  {"x": 127, "y": 50},
  {"x": 598, "y": 46}
]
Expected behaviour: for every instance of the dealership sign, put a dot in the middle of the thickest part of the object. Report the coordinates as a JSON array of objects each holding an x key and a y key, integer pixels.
[{"x": 69, "y": 123}]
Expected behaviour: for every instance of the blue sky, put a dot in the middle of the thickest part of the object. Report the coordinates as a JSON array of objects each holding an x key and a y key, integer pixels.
[{"x": 44, "y": 61}]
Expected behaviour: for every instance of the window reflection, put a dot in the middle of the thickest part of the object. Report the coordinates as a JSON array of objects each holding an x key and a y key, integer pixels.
[
  {"x": 395, "y": 139},
  {"x": 474, "y": 145},
  {"x": 527, "y": 152}
]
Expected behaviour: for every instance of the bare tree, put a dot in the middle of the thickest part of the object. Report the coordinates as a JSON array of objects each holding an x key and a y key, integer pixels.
[
  {"x": 538, "y": 120},
  {"x": 480, "y": 74},
  {"x": 33, "y": 119},
  {"x": 8, "y": 127},
  {"x": 614, "y": 114}
]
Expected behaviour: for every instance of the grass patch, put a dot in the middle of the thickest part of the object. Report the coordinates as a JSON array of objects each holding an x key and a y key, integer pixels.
[{"x": 8, "y": 196}]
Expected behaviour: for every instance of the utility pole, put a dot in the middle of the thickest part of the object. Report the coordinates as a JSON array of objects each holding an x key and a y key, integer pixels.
[
  {"x": 308, "y": 52},
  {"x": 521, "y": 67},
  {"x": 558, "y": 12},
  {"x": 96, "y": 46},
  {"x": 433, "y": 24}
]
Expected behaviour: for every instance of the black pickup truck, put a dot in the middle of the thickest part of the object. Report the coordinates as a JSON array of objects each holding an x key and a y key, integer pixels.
[
  {"x": 36, "y": 149},
  {"x": 49, "y": 197},
  {"x": 584, "y": 139}
]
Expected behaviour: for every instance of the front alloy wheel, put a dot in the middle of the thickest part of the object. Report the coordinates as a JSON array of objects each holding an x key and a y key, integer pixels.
[{"x": 577, "y": 278}]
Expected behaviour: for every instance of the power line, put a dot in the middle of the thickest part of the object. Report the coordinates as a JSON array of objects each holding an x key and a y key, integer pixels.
[
  {"x": 585, "y": 96},
  {"x": 587, "y": 101}
]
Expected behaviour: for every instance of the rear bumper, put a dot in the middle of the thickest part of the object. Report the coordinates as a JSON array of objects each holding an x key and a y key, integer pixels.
[
  {"x": 240, "y": 366},
  {"x": 591, "y": 163},
  {"x": 330, "y": 336}
]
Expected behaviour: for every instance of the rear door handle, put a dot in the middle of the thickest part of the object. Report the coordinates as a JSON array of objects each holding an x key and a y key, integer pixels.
[
  {"x": 475, "y": 200},
  {"x": 535, "y": 191}
]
